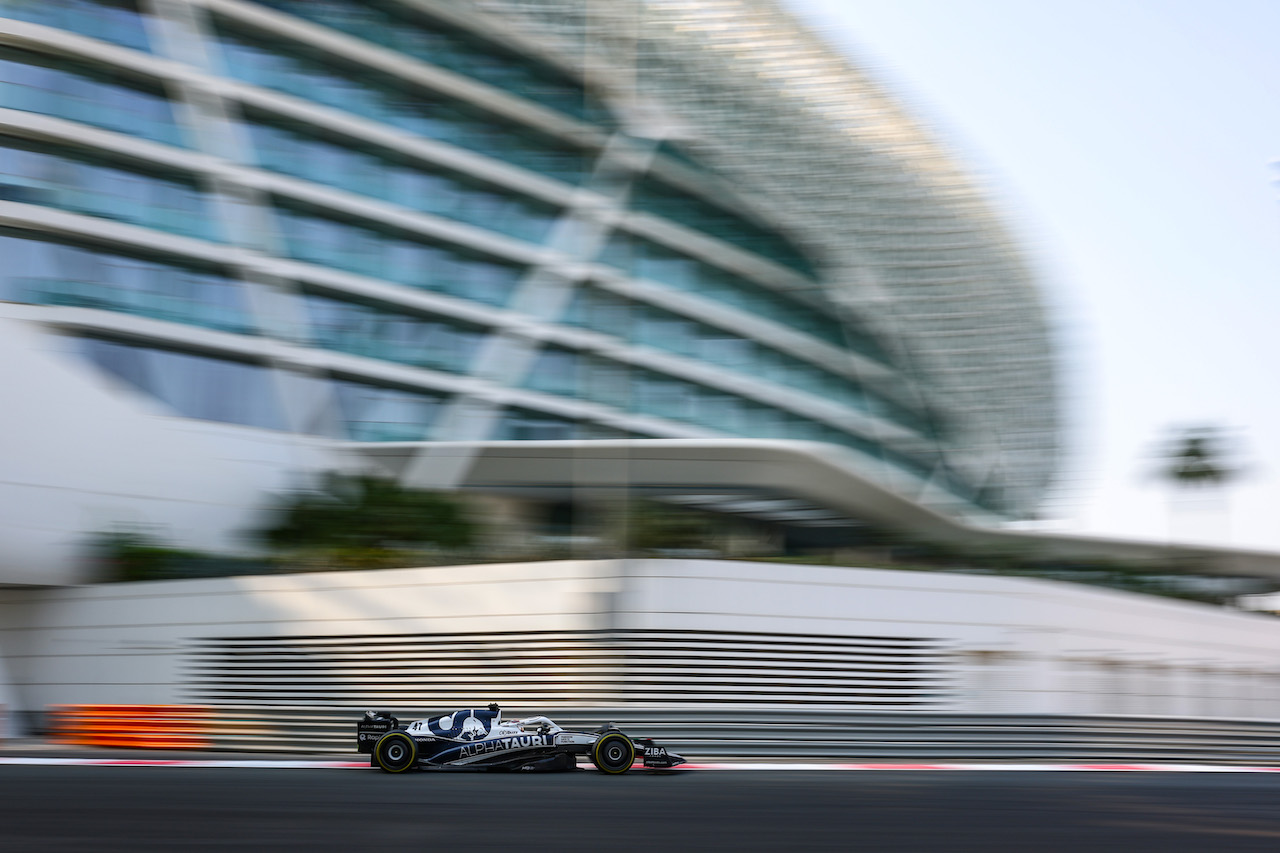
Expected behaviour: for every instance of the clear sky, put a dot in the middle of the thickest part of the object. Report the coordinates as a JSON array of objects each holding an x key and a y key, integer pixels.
[{"x": 1133, "y": 145}]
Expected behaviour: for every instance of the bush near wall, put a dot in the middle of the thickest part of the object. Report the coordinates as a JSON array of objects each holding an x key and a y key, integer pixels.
[
  {"x": 129, "y": 556},
  {"x": 369, "y": 514}
]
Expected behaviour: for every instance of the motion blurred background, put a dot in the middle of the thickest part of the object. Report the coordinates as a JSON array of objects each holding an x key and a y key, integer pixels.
[{"x": 668, "y": 356}]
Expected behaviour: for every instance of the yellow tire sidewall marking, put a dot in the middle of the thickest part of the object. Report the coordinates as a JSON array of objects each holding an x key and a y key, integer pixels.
[
  {"x": 413, "y": 751},
  {"x": 596, "y": 753}
]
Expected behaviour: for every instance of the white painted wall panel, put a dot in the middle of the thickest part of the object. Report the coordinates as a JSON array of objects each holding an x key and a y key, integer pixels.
[
  {"x": 84, "y": 455},
  {"x": 1010, "y": 645}
]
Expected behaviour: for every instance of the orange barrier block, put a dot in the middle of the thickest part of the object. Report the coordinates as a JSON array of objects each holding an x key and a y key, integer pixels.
[{"x": 132, "y": 726}]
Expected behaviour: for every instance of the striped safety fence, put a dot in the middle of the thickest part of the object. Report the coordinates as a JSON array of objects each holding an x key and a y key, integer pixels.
[
  {"x": 132, "y": 726},
  {"x": 704, "y": 735}
]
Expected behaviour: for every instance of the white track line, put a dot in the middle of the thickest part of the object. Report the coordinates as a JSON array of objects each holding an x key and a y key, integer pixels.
[
  {"x": 1037, "y": 768},
  {"x": 294, "y": 764},
  {"x": 164, "y": 762}
]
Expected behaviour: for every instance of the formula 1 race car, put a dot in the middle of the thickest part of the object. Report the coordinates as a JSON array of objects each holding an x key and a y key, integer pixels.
[{"x": 478, "y": 739}]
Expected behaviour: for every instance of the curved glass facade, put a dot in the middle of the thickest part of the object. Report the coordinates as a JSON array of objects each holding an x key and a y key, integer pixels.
[
  {"x": 332, "y": 82},
  {"x": 572, "y": 287},
  {"x": 681, "y": 271},
  {"x": 79, "y": 92},
  {"x": 651, "y": 195},
  {"x": 44, "y": 271},
  {"x": 401, "y": 29},
  {"x": 117, "y": 21},
  {"x": 389, "y": 335},
  {"x": 368, "y": 171},
  {"x": 397, "y": 257},
  {"x": 84, "y": 182}
]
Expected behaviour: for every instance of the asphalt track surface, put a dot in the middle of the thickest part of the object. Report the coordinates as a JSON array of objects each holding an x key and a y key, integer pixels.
[{"x": 83, "y": 808}]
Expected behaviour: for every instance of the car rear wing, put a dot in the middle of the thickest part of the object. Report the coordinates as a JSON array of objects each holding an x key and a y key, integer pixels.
[{"x": 371, "y": 727}]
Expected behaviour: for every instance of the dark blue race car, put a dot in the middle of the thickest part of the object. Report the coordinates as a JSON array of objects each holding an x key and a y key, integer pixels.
[{"x": 478, "y": 739}]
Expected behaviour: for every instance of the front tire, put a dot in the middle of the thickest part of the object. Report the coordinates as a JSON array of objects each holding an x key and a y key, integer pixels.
[
  {"x": 613, "y": 753},
  {"x": 396, "y": 752}
]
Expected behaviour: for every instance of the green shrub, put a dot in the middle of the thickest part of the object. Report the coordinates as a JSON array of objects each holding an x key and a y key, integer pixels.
[{"x": 354, "y": 514}]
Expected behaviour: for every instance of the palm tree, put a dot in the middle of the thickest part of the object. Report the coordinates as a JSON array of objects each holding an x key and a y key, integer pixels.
[
  {"x": 1197, "y": 462},
  {"x": 1197, "y": 457}
]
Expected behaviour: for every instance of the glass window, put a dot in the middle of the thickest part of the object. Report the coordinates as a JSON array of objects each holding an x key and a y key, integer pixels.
[
  {"x": 722, "y": 412},
  {"x": 413, "y": 264},
  {"x": 44, "y": 272},
  {"x": 364, "y": 251},
  {"x": 647, "y": 260},
  {"x": 555, "y": 371},
  {"x": 606, "y": 382},
  {"x": 128, "y": 364},
  {"x": 662, "y": 396},
  {"x": 726, "y": 351},
  {"x": 653, "y": 196},
  {"x": 527, "y": 425},
  {"x": 458, "y": 50},
  {"x": 117, "y": 21},
  {"x": 389, "y": 177},
  {"x": 384, "y": 333},
  {"x": 600, "y": 311},
  {"x": 328, "y": 80},
  {"x": 482, "y": 281},
  {"x": 373, "y": 413},
  {"x": 31, "y": 82},
  {"x": 193, "y": 386},
  {"x": 84, "y": 183},
  {"x": 646, "y": 325}
]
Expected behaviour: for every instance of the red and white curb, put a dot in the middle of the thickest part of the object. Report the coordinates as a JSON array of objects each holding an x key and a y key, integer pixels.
[{"x": 292, "y": 764}]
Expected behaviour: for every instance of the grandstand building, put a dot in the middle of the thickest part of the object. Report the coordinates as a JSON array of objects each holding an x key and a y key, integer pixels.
[{"x": 245, "y": 243}]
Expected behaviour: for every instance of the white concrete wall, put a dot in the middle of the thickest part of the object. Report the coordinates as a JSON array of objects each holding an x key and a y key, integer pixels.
[
  {"x": 1024, "y": 645},
  {"x": 1018, "y": 646},
  {"x": 123, "y": 643},
  {"x": 84, "y": 455}
]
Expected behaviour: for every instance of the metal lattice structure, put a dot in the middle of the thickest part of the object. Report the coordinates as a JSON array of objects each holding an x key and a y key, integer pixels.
[{"x": 906, "y": 237}]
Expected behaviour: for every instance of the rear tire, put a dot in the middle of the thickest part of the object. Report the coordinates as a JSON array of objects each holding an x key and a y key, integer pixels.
[
  {"x": 396, "y": 752},
  {"x": 613, "y": 753}
]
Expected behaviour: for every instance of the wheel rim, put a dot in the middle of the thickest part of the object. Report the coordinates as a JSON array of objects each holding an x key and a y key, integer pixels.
[
  {"x": 614, "y": 754},
  {"x": 396, "y": 753}
]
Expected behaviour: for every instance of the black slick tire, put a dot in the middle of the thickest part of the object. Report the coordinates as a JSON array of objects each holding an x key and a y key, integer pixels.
[
  {"x": 613, "y": 753},
  {"x": 396, "y": 752}
]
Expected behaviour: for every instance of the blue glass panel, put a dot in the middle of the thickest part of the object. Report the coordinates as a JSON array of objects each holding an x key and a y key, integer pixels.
[
  {"x": 527, "y": 425},
  {"x": 193, "y": 386},
  {"x": 383, "y": 333},
  {"x": 359, "y": 91},
  {"x": 569, "y": 373},
  {"x": 110, "y": 20},
  {"x": 397, "y": 258},
  {"x": 381, "y": 175},
  {"x": 393, "y": 26},
  {"x": 83, "y": 183},
  {"x": 600, "y": 311},
  {"x": 653, "y": 196},
  {"x": 646, "y": 325},
  {"x": 647, "y": 260},
  {"x": 50, "y": 273},
  {"x": 39, "y": 84},
  {"x": 373, "y": 413},
  {"x": 556, "y": 371}
]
